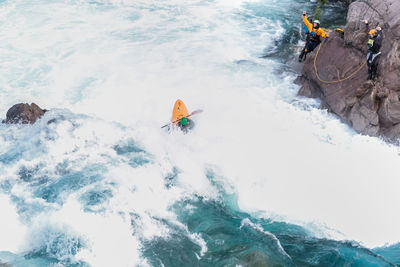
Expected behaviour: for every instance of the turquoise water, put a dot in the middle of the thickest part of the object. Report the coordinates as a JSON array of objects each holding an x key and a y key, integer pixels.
[{"x": 266, "y": 178}]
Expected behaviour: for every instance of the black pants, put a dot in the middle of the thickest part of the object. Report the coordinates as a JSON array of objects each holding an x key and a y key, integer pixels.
[
  {"x": 372, "y": 62},
  {"x": 309, "y": 47}
]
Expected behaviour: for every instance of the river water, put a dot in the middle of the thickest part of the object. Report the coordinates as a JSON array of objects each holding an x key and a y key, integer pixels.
[{"x": 265, "y": 179}]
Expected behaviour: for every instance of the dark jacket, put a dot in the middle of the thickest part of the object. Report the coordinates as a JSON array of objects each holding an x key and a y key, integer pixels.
[
  {"x": 375, "y": 43},
  {"x": 187, "y": 127}
]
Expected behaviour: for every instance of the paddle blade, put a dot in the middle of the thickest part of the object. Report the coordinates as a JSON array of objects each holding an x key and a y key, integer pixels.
[
  {"x": 191, "y": 114},
  {"x": 196, "y": 112}
]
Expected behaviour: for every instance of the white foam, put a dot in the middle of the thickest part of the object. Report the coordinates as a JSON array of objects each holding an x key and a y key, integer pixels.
[
  {"x": 106, "y": 239},
  {"x": 12, "y": 232},
  {"x": 128, "y": 63}
]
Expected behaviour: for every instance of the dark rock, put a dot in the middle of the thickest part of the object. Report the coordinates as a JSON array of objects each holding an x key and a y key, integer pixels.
[
  {"x": 299, "y": 80},
  {"x": 392, "y": 133},
  {"x": 371, "y": 108},
  {"x": 363, "y": 89},
  {"x": 306, "y": 90},
  {"x": 389, "y": 111},
  {"x": 56, "y": 119},
  {"x": 24, "y": 113},
  {"x": 363, "y": 117}
]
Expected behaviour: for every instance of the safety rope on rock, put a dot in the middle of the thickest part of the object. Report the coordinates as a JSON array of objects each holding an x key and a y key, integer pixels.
[{"x": 337, "y": 81}]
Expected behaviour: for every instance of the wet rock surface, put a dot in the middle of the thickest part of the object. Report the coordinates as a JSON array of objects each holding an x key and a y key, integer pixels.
[
  {"x": 24, "y": 113},
  {"x": 370, "y": 107}
]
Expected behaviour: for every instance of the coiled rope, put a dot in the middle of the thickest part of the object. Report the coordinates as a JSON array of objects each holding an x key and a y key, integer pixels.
[{"x": 337, "y": 81}]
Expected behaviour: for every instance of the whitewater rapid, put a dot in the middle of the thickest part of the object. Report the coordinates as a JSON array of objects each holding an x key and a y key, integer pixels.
[{"x": 112, "y": 70}]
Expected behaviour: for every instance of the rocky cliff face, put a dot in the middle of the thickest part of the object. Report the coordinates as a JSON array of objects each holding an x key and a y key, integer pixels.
[{"x": 371, "y": 108}]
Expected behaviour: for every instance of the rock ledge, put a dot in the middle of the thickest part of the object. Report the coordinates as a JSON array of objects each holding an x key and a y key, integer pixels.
[
  {"x": 24, "y": 113},
  {"x": 371, "y": 108}
]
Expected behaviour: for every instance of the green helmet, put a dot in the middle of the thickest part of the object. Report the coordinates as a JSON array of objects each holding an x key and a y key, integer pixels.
[
  {"x": 184, "y": 121},
  {"x": 317, "y": 21}
]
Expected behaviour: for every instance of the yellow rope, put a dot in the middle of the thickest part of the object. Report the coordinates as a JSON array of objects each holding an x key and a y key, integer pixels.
[{"x": 337, "y": 81}]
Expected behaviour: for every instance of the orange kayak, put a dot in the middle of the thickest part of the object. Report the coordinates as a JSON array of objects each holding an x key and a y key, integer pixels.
[{"x": 179, "y": 111}]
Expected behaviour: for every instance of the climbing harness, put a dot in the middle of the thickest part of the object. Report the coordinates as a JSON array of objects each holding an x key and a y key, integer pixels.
[
  {"x": 314, "y": 37},
  {"x": 337, "y": 81}
]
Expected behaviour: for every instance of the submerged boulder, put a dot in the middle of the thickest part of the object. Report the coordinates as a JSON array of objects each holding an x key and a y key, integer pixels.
[
  {"x": 371, "y": 108},
  {"x": 24, "y": 113}
]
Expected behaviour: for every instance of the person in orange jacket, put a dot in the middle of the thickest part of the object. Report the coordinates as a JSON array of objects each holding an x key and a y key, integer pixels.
[{"x": 315, "y": 36}]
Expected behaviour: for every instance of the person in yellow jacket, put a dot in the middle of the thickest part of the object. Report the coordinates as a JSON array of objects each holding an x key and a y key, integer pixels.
[{"x": 315, "y": 36}]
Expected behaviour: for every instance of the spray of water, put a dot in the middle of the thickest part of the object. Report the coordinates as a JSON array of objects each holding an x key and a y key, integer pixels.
[{"x": 124, "y": 63}]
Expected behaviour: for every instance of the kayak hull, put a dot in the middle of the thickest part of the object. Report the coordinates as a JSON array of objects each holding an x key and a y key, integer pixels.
[{"x": 179, "y": 112}]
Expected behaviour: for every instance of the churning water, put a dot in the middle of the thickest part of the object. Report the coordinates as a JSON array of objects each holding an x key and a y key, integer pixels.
[{"x": 265, "y": 179}]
